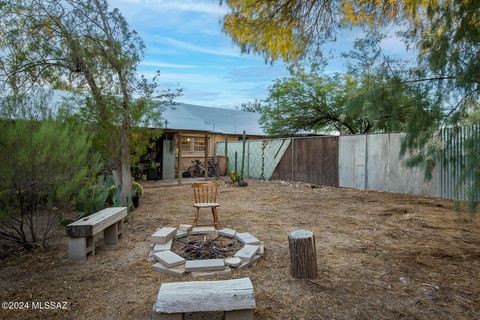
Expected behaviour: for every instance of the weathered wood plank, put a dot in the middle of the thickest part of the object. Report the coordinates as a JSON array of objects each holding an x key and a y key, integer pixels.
[
  {"x": 200, "y": 296},
  {"x": 239, "y": 315},
  {"x": 166, "y": 316},
  {"x": 96, "y": 222}
]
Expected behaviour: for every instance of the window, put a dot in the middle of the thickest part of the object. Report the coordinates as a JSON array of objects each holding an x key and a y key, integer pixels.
[
  {"x": 198, "y": 145},
  {"x": 192, "y": 144}
]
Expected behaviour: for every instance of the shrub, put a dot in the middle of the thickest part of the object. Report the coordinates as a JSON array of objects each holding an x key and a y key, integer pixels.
[
  {"x": 95, "y": 194},
  {"x": 137, "y": 189},
  {"x": 233, "y": 176},
  {"x": 44, "y": 165}
]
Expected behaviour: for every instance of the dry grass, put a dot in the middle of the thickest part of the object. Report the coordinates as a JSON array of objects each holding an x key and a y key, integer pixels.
[{"x": 366, "y": 241}]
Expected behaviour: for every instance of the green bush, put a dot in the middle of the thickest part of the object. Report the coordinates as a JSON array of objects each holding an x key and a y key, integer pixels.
[
  {"x": 137, "y": 189},
  {"x": 233, "y": 176},
  {"x": 96, "y": 192},
  {"x": 44, "y": 166},
  {"x": 112, "y": 194}
]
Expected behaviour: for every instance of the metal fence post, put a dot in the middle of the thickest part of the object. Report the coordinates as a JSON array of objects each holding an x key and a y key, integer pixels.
[
  {"x": 226, "y": 156},
  {"x": 236, "y": 160},
  {"x": 262, "y": 174},
  {"x": 365, "y": 186},
  {"x": 248, "y": 159}
]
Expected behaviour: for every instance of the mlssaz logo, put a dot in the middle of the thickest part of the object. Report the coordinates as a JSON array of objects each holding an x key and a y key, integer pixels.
[{"x": 49, "y": 305}]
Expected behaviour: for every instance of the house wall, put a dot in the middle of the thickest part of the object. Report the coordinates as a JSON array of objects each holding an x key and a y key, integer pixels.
[
  {"x": 168, "y": 161},
  {"x": 213, "y": 139}
]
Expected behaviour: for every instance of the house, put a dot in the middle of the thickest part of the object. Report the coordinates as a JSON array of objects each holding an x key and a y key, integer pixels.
[
  {"x": 193, "y": 131},
  {"x": 196, "y": 129}
]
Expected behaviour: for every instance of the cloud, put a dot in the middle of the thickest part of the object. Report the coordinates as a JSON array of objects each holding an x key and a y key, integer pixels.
[
  {"x": 394, "y": 46},
  {"x": 197, "y": 6},
  {"x": 159, "y": 64},
  {"x": 182, "y": 78},
  {"x": 257, "y": 91},
  {"x": 201, "y": 95},
  {"x": 256, "y": 74},
  {"x": 206, "y": 7},
  {"x": 192, "y": 47}
]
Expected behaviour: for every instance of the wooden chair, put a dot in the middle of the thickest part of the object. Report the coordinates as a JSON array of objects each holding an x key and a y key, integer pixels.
[{"x": 205, "y": 196}]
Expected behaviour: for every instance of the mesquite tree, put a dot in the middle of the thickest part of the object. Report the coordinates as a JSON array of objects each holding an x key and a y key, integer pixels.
[
  {"x": 81, "y": 45},
  {"x": 44, "y": 165},
  {"x": 445, "y": 34}
]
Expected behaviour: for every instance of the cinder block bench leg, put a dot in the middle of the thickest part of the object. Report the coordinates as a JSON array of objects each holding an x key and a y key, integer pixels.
[
  {"x": 246, "y": 314},
  {"x": 166, "y": 316},
  {"x": 110, "y": 234},
  {"x": 78, "y": 248},
  {"x": 120, "y": 228}
]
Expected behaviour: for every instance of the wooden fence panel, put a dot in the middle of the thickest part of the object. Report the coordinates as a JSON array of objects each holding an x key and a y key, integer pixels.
[{"x": 313, "y": 160}]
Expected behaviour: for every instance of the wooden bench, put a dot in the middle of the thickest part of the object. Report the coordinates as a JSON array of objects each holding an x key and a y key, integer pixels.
[
  {"x": 82, "y": 233},
  {"x": 233, "y": 297}
]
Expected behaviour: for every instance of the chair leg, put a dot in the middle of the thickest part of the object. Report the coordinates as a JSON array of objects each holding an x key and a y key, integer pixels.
[
  {"x": 215, "y": 216},
  {"x": 195, "y": 221}
]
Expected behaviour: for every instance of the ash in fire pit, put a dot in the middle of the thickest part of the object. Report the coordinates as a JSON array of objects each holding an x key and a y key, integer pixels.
[{"x": 206, "y": 246}]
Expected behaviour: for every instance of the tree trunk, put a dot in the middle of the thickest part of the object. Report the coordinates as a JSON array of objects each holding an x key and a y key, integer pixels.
[
  {"x": 117, "y": 177},
  {"x": 303, "y": 256},
  {"x": 125, "y": 163}
]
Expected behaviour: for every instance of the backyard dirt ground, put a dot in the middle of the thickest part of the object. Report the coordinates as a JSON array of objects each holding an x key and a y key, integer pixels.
[{"x": 380, "y": 256}]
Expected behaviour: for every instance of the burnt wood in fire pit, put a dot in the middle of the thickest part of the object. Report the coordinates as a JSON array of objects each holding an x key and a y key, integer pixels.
[{"x": 209, "y": 246}]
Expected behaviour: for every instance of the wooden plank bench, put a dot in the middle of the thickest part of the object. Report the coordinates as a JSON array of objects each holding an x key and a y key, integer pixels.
[
  {"x": 233, "y": 297},
  {"x": 82, "y": 233}
]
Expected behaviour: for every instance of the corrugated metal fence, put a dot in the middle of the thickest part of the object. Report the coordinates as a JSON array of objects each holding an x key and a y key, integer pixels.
[
  {"x": 459, "y": 143},
  {"x": 373, "y": 162},
  {"x": 369, "y": 161},
  {"x": 261, "y": 156}
]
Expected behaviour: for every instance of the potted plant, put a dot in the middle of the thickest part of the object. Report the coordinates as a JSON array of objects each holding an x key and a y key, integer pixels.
[
  {"x": 137, "y": 192},
  {"x": 152, "y": 171}
]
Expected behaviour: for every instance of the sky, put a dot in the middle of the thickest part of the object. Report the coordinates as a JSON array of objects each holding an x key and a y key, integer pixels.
[{"x": 184, "y": 40}]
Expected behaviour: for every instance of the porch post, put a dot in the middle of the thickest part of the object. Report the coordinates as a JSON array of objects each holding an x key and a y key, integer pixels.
[
  {"x": 179, "y": 157},
  {"x": 206, "y": 155}
]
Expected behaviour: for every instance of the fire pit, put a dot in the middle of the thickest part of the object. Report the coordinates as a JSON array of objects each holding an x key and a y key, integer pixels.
[
  {"x": 209, "y": 246},
  {"x": 203, "y": 251}
]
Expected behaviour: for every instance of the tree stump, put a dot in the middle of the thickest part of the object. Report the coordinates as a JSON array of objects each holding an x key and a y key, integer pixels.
[{"x": 303, "y": 255}]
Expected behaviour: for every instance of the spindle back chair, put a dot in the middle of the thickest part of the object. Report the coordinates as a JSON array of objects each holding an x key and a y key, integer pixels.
[{"x": 205, "y": 196}]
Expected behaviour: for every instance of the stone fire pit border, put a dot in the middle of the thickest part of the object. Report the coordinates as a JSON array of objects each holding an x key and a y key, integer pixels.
[{"x": 166, "y": 261}]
